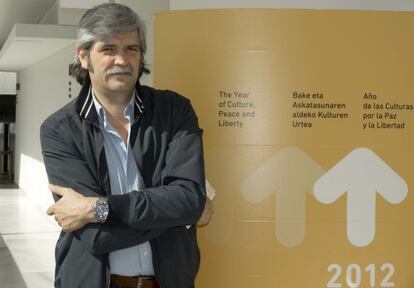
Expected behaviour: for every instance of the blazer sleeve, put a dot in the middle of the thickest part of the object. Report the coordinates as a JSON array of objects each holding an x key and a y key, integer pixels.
[
  {"x": 65, "y": 167},
  {"x": 180, "y": 199}
]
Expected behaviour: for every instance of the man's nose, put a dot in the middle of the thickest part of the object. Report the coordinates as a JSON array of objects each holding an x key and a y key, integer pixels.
[{"x": 120, "y": 59}]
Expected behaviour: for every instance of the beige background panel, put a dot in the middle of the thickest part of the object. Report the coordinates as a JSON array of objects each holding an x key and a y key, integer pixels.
[
  {"x": 342, "y": 61},
  {"x": 244, "y": 67}
]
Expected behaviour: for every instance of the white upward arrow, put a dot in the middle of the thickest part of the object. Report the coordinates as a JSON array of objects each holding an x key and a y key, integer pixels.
[
  {"x": 361, "y": 174},
  {"x": 290, "y": 174}
]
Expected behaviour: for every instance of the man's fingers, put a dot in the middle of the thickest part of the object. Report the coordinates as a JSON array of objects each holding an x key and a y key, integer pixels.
[
  {"x": 209, "y": 206},
  {"x": 58, "y": 190},
  {"x": 207, "y": 213},
  {"x": 51, "y": 210},
  {"x": 57, "y": 220}
]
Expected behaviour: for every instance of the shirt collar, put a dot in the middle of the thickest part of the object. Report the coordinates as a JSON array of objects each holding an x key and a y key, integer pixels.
[
  {"x": 128, "y": 111},
  {"x": 89, "y": 101}
]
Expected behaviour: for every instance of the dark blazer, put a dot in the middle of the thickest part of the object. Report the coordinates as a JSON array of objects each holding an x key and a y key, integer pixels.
[{"x": 167, "y": 146}]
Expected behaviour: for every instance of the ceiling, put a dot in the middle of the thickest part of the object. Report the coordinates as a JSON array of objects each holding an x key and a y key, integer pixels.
[
  {"x": 21, "y": 11},
  {"x": 42, "y": 27}
]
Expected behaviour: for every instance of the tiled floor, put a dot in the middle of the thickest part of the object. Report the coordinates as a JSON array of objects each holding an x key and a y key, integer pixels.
[
  {"x": 9, "y": 272},
  {"x": 27, "y": 242}
]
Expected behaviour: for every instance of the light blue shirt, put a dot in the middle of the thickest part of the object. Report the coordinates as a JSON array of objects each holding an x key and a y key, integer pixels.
[{"x": 124, "y": 177}]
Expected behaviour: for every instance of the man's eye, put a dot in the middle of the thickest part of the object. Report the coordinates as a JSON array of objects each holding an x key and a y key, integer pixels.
[
  {"x": 107, "y": 49},
  {"x": 135, "y": 49}
]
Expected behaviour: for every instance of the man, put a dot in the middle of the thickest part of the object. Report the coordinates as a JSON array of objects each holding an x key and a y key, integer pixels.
[{"x": 126, "y": 165}]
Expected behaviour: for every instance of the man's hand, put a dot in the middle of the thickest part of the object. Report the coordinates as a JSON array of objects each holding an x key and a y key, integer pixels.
[
  {"x": 73, "y": 210},
  {"x": 207, "y": 213}
]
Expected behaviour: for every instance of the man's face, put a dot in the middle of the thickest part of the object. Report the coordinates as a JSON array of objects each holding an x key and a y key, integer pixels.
[{"x": 113, "y": 63}]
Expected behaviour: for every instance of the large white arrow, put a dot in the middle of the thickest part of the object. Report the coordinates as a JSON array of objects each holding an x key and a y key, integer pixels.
[
  {"x": 361, "y": 174},
  {"x": 290, "y": 174}
]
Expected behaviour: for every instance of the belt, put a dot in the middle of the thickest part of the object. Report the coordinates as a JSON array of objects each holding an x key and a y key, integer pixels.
[{"x": 134, "y": 282}]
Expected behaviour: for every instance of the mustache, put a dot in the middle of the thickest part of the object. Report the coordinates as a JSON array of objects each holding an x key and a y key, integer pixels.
[{"x": 119, "y": 69}]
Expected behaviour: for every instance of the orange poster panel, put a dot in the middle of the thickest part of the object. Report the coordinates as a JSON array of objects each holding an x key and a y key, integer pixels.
[{"x": 308, "y": 121}]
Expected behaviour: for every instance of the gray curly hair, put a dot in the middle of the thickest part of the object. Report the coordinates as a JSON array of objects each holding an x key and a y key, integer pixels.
[{"x": 103, "y": 21}]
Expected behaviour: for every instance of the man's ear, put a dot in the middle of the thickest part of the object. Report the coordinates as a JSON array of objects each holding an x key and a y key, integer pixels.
[{"x": 83, "y": 58}]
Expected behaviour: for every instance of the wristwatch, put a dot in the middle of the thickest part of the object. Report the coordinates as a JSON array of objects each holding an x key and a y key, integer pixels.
[{"x": 101, "y": 209}]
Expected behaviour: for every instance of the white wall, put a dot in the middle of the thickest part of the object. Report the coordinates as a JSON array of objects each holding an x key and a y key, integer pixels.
[
  {"x": 398, "y": 5},
  {"x": 7, "y": 83},
  {"x": 81, "y": 4},
  {"x": 43, "y": 89}
]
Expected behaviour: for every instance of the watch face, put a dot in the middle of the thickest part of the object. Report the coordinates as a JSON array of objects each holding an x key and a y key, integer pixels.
[{"x": 101, "y": 210}]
